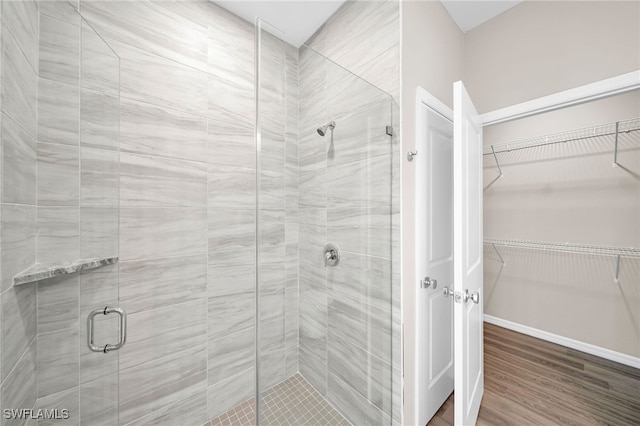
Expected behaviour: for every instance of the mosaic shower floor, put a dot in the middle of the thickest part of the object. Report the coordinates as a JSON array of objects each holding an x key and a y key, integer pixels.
[{"x": 292, "y": 402}]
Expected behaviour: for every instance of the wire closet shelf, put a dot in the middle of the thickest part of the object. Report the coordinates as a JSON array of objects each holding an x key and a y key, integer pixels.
[
  {"x": 602, "y": 130},
  {"x": 626, "y": 252}
]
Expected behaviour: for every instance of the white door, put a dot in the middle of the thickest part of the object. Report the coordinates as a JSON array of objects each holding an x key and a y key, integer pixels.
[
  {"x": 467, "y": 231},
  {"x": 434, "y": 255}
]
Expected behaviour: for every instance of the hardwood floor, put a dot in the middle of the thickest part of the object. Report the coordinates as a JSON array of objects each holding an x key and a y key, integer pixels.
[{"x": 532, "y": 382}]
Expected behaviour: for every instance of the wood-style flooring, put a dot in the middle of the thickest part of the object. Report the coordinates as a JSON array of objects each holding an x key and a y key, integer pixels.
[{"x": 532, "y": 382}]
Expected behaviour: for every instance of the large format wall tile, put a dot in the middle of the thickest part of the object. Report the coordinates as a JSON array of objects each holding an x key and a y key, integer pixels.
[
  {"x": 147, "y": 233},
  {"x": 231, "y": 271},
  {"x": 313, "y": 335},
  {"x": 99, "y": 402},
  {"x": 361, "y": 136},
  {"x": 231, "y": 229},
  {"x": 231, "y": 187},
  {"x": 19, "y": 164},
  {"x": 188, "y": 411},
  {"x": 20, "y": 18},
  {"x": 231, "y": 143},
  {"x": 155, "y": 384},
  {"x": 161, "y": 332},
  {"x": 272, "y": 371},
  {"x": 231, "y": 68},
  {"x": 100, "y": 66},
  {"x": 19, "y": 84},
  {"x": 99, "y": 178},
  {"x": 98, "y": 366},
  {"x": 367, "y": 374},
  {"x": 230, "y": 392},
  {"x": 58, "y": 175},
  {"x": 355, "y": 407},
  {"x": 361, "y": 230},
  {"x": 58, "y": 302},
  {"x": 271, "y": 291},
  {"x": 272, "y": 337},
  {"x": 62, "y": 10},
  {"x": 98, "y": 288},
  {"x": 149, "y": 26},
  {"x": 181, "y": 88},
  {"x": 19, "y": 389},
  {"x": 159, "y": 283},
  {"x": 18, "y": 241},
  {"x": 65, "y": 400},
  {"x": 59, "y": 50},
  {"x": 360, "y": 324},
  {"x": 362, "y": 277},
  {"x": 58, "y": 234},
  {"x": 156, "y": 130},
  {"x": 58, "y": 361},
  {"x": 58, "y": 112},
  {"x": 99, "y": 120},
  {"x": 272, "y": 238},
  {"x": 361, "y": 184},
  {"x": 231, "y": 313},
  {"x": 98, "y": 232},
  {"x": 147, "y": 181},
  {"x": 18, "y": 325},
  {"x": 231, "y": 354},
  {"x": 272, "y": 190}
]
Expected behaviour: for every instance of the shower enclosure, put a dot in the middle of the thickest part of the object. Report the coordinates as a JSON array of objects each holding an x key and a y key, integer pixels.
[
  {"x": 244, "y": 195},
  {"x": 324, "y": 223}
]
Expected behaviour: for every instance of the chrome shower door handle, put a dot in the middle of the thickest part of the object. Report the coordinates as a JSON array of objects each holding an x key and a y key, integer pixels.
[{"x": 122, "y": 334}]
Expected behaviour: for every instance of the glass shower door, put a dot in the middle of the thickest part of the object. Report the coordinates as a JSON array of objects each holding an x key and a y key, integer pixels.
[
  {"x": 99, "y": 228},
  {"x": 324, "y": 224}
]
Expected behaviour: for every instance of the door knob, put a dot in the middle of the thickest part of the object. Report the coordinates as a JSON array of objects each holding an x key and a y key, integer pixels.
[{"x": 447, "y": 292}]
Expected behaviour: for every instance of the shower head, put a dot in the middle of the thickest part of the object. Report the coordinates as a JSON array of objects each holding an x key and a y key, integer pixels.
[{"x": 323, "y": 130}]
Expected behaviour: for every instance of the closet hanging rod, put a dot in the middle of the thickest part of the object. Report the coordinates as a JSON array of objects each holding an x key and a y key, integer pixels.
[
  {"x": 626, "y": 252},
  {"x": 609, "y": 129}
]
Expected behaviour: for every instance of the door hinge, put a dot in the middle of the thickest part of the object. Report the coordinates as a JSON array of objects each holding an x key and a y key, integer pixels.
[{"x": 389, "y": 130}]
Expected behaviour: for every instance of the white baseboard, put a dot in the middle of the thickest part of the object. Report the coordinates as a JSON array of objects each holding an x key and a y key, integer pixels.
[{"x": 565, "y": 341}]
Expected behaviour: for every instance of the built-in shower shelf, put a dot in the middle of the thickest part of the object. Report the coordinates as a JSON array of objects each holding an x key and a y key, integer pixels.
[{"x": 42, "y": 271}]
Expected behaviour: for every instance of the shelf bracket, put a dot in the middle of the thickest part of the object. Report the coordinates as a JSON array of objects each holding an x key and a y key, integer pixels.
[
  {"x": 498, "y": 253},
  {"x": 495, "y": 157},
  {"x": 615, "y": 152},
  {"x": 616, "y": 279}
]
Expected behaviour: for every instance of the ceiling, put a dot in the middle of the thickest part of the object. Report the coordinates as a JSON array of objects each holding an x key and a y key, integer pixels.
[
  {"x": 471, "y": 13},
  {"x": 294, "y": 21}
]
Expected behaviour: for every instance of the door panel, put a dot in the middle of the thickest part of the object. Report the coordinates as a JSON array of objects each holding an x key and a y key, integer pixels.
[
  {"x": 434, "y": 245},
  {"x": 468, "y": 309}
]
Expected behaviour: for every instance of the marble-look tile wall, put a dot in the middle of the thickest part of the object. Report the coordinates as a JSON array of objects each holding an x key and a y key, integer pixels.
[
  {"x": 277, "y": 221},
  {"x": 345, "y": 198},
  {"x": 18, "y": 221},
  {"x": 77, "y": 198},
  {"x": 349, "y": 193}
]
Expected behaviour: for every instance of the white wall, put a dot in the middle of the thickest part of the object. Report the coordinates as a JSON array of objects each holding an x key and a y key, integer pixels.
[
  {"x": 561, "y": 193},
  {"x": 533, "y": 50},
  {"x": 432, "y": 47}
]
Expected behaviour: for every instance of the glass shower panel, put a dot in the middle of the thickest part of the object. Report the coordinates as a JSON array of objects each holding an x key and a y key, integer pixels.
[
  {"x": 99, "y": 224},
  {"x": 325, "y": 241}
]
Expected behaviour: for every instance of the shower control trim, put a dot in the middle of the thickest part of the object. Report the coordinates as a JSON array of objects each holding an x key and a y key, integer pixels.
[{"x": 331, "y": 255}]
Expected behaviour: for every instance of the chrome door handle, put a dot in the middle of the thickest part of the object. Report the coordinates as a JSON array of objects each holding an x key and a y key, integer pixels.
[
  {"x": 447, "y": 292},
  {"x": 122, "y": 335},
  {"x": 460, "y": 297}
]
